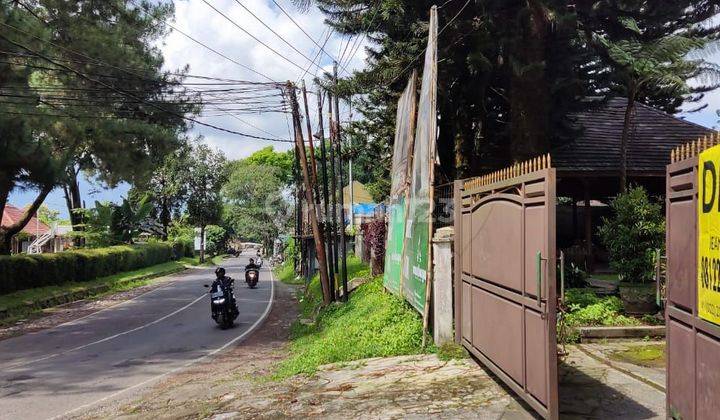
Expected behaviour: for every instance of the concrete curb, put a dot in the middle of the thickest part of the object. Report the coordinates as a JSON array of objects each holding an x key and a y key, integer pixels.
[
  {"x": 69, "y": 297},
  {"x": 622, "y": 332}
]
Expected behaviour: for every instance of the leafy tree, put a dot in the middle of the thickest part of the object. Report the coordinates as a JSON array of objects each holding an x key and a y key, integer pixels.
[
  {"x": 77, "y": 106},
  {"x": 166, "y": 186},
  {"x": 659, "y": 65},
  {"x": 217, "y": 238},
  {"x": 47, "y": 215},
  {"x": 205, "y": 175},
  {"x": 258, "y": 209},
  {"x": 282, "y": 161}
]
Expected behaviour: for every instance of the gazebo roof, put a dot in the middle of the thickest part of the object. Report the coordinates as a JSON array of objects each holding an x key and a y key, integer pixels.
[{"x": 653, "y": 135}]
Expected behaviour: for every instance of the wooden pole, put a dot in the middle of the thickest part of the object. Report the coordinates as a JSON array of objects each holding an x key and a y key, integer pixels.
[
  {"x": 343, "y": 247},
  {"x": 317, "y": 235},
  {"x": 333, "y": 188},
  {"x": 313, "y": 168},
  {"x": 326, "y": 193}
]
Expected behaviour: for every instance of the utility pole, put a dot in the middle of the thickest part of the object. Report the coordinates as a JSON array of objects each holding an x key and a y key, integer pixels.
[
  {"x": 326, "y": 193},
  {"x": 298, "y": 218},
  {"x": 343, "y": 252},
  {"x": 333, "y": 188},
  {"x": 350, "y": 176},
  {"x": 313, "y": 169},
  {"x": 317, "y": 235}
]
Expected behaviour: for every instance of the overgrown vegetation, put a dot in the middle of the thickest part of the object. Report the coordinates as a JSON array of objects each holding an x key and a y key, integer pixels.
[
  {"x": 373, "y": 323},
  {"x": 585, "y": 308},
  {"x": 632, "y": 234}
]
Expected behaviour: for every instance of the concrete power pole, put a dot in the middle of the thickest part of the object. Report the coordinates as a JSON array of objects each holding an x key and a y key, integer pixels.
[
  {"x": 326, "y": 192},
  {"x": 343, "y": 250},
  {"x": 317, "y": 235}
]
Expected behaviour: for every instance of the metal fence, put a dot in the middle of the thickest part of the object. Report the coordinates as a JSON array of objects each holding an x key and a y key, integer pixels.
[{"x": 443, "y": 209}]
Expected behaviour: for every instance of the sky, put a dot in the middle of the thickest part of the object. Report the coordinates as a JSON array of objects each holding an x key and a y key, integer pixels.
[{"x": 196, "y": 18}]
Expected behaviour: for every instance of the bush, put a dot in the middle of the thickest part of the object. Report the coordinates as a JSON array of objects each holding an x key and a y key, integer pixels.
[
  {"x": 632, "y": 235},
  {"x": 18, "y": 272},
  {"x": 183, "y": 248}
]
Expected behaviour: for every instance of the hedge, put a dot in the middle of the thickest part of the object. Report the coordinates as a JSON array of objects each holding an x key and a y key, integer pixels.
[
  {"x": 183, "y": 249},
  {"x": 18, "y": 272}
]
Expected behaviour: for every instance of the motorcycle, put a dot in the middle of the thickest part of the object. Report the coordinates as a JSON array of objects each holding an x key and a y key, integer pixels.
[
  {"x": 251, "y": 277},
  {"x": 222, "y": 303}
]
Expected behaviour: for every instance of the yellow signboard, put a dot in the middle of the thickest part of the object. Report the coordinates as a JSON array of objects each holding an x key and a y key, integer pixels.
[{"x": 709, "y": 235}]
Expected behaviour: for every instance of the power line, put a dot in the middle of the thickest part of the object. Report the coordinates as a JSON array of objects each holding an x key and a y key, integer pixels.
[
  {"x": 322, "y": 48},
  {"x": 317, "y": 55},
  {"x": 135, "y": 97},
  {"x": 276, "y": 34},
  {"x": 251, "y": 35}
]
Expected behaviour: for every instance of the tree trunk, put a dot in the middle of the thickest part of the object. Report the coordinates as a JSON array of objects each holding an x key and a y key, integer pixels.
[
  {"x": 202, "y": 244},
  {"x": 629, "y": 109},
  {"x": 165, "y": 217},
  {"x": 530, "y": 94},
  {"x": 74, "y": 203},
  {"x": 7, "y": 232}
]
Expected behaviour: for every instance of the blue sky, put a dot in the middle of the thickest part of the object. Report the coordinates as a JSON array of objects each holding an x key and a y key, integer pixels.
[{"x": 197, "y": 19}]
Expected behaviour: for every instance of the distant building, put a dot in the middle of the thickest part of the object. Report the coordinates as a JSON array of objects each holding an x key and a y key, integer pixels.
[{"x": 36, "y": 237}]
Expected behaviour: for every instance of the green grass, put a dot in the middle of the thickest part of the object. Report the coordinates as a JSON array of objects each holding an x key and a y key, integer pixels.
[
  {"x": 451, "y": 351},
  {"x": 373, "y": 323},
  {"x": 648, "y": 355},
  {"x": 286, "y": 273},
  {"x": 587, "y": 309},
  {"x": 17, "y": 308},
  {"x": 607, "y": 277}
]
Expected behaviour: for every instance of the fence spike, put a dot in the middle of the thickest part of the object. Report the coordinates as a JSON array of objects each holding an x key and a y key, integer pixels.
[{"x": 692, "y": 148}]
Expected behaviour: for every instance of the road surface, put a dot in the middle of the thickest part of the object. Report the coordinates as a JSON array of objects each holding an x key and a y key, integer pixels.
[{"x": 64, "y": 370}]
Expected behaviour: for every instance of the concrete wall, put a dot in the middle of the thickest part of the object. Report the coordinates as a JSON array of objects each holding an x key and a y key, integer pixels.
[{"x": 443, "y": 286}]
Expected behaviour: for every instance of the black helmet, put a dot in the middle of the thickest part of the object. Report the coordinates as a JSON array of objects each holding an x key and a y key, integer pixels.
[
  {"x": 219, "y": 271},
  {"x": 251, "y": 261}
]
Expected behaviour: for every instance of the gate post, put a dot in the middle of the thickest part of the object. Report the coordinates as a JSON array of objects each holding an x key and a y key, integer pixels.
[
  {"x": 442, "y": 285},
  {"x": 457, "y": 256}
]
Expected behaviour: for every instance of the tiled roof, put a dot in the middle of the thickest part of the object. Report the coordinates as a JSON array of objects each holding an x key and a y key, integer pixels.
[
  {"x": 34, "y": 227},
  {"x": 653, "y": 135}
]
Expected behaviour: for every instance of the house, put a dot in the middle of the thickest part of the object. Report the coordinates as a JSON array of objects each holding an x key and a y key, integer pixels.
[
  {"x": 36, "y": 237},
  {"x": 588, "y": 168}
]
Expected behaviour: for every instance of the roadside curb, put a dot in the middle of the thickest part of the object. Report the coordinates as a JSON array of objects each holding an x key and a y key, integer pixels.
[
  {"x": 655, "y": 331},
  {"x": 70, "y": 297}
]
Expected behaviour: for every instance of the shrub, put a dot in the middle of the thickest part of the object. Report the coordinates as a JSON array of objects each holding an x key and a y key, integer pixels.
[
  {"x": 18, "y": 272},
  {"x": 632, "y": 234},
  {"x": 183, "y": 248}
]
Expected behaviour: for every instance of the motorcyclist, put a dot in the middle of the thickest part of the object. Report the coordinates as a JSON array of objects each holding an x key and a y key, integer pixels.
[
  {"x": 258, "y": 260},
  {"x": 227, "y": 284},
  {"x": 252, "y": 265}
]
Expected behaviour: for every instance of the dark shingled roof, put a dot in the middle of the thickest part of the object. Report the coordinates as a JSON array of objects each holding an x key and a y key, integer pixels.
[{"x": 653, "y": 135}]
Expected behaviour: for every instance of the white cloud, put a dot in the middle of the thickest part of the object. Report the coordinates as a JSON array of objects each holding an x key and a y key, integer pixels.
[{"x": 197, "y": 19}]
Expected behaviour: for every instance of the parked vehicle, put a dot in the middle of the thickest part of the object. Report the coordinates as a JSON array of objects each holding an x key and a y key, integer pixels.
[{"x": 223, "y": 307}]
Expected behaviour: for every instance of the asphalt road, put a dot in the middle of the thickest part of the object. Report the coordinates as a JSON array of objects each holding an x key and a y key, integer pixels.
[{"x": 64, "y": 370}]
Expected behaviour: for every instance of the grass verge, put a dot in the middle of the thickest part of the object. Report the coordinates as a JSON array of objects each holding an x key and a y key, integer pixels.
[
  {"x": 373, "y": 323},
  {"x": 30, "y": 302},
  {"x": 286, "y": 273}
]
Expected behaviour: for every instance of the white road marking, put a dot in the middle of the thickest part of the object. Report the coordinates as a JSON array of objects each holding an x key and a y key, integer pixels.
[
  {"x": 102, "y": 340},
  {"x": 189, "y": 363}
]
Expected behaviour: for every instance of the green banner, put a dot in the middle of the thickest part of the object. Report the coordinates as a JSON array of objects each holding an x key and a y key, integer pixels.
[
  {"x": 394, "y": 247},
  {"x": 416, "y": 262},
  {"x": 404, "y": 136}
]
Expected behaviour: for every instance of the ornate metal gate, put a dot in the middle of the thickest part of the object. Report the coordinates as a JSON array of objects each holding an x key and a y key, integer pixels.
[
  {"x": 505, "y": 288},
  {"x": 693, "y": 344}
]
